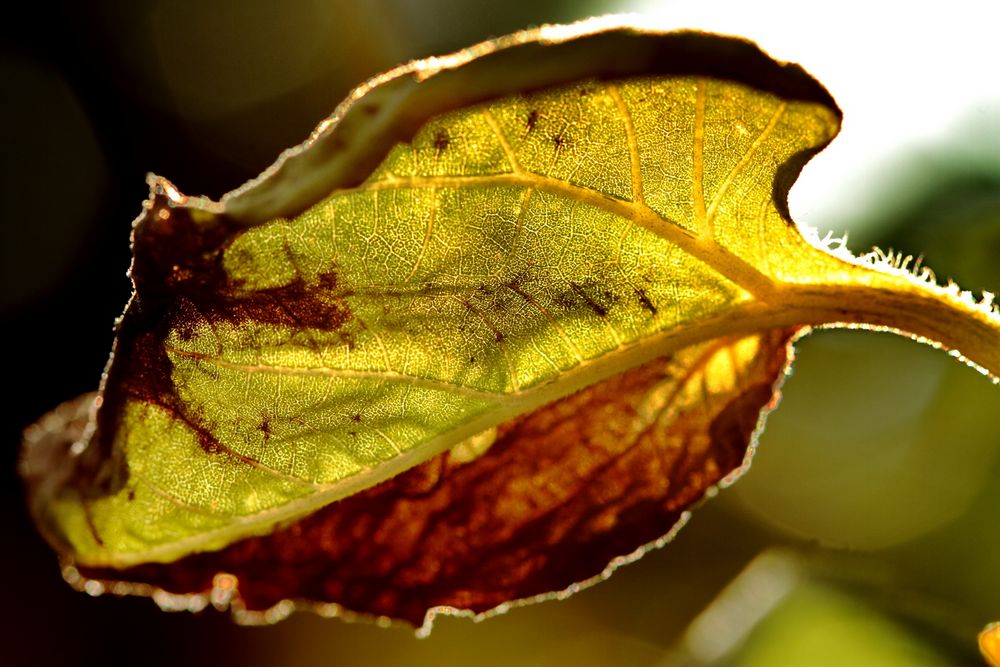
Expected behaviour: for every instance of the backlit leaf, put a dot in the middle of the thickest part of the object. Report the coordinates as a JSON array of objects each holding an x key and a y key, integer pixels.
[{"x": 553, "y": 277}]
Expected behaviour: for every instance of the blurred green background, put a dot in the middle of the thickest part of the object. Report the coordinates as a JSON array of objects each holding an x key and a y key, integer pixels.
[{"x": 868, "y": 530}]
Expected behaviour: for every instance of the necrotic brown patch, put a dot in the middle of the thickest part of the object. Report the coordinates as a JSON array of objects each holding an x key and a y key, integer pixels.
[
  {"x": 182, "y": 288},
  {"x": 560, "y": 493}
]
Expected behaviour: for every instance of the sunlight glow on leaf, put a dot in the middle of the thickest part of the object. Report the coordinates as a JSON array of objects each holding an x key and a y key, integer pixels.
[{"x": 594, "y": 268}]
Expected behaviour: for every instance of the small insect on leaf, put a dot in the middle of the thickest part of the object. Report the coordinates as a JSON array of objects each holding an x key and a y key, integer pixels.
[{"x": 487, "y": 335}]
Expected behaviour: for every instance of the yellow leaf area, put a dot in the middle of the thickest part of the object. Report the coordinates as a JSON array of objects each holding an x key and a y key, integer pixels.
[{"x": 507, "y": 256}]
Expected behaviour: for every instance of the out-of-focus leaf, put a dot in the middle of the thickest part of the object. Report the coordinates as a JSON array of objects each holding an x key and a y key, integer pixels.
[
  {"x": 777, "y": 612},
  {"x": 989, "y": 644},
  {"x": 822, "y": 627},
  {"x": 461, "y": 249}
]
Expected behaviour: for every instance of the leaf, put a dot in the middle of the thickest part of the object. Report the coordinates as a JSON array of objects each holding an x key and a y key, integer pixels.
[{"x": 572, "y": 243}]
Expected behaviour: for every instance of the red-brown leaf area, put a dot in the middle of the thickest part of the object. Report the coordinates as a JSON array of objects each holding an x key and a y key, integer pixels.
[{"x": 559, "y": 495}]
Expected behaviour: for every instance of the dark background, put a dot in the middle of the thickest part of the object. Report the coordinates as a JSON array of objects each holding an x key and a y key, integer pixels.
[{"x": 877, "y": 481}]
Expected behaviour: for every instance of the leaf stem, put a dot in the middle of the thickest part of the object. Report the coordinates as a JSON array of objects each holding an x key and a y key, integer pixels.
[{"x": 929, "y": 313}]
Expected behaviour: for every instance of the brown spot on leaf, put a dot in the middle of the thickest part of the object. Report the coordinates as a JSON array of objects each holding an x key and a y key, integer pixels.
[
  {"x": 441, "y": 142},
  {"x": 532, "y": 120},
  {"x": 644, "y": 301},
  {"x": 600, "y": 309},
  {"x": 560, "y": 493}
]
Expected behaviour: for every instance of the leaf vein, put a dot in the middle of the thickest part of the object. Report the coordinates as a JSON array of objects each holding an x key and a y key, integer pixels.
[
  {"x": 427, "y": 237},
  {"x": 502, "y": 138},
  {"x": 633, "y": 142},
  {"x": 344, "y": 373},
  {"x": 702, "y": 248},
  {"x": 697, "y": 158},
  {"x": 741, "y": 165}
]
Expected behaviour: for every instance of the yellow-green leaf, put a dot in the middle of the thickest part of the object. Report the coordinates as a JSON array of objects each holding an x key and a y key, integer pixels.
[{"x": 465, "y": 241}]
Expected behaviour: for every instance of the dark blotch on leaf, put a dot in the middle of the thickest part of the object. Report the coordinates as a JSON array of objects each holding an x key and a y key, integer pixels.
[
  {"x": 599, "y": 309},
  {"x": 183, "y": 289},
  {"x": 441, "y": 142},
  {"x": 532, "y": 120},
  {"x": 645, "y": 302}
]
